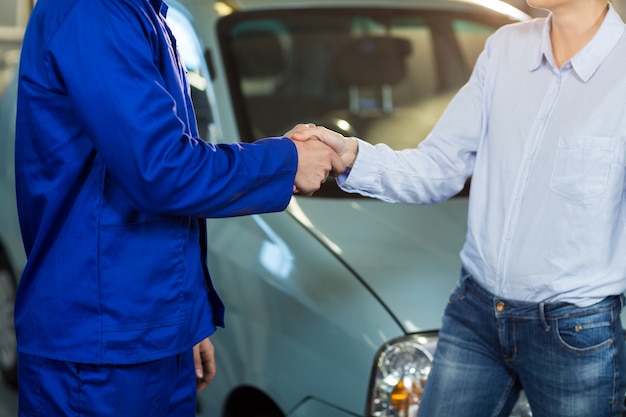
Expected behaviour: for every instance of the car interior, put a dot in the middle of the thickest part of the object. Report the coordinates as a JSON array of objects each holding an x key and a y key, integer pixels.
[
  {"x": 381, "y": 76},
  {"x": 362, "y": 74}
]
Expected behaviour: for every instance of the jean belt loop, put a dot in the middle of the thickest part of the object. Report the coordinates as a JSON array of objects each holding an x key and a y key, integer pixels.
[{"x": 542, "y": 316}]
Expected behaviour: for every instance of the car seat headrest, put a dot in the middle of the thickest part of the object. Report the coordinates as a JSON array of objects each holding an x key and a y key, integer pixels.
[{"x": 372, "y": 61}]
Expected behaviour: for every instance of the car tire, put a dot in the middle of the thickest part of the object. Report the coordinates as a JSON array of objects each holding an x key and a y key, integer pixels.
[
  {"x": 8, "y": 345},
  {"x": 249, "y": 402}
]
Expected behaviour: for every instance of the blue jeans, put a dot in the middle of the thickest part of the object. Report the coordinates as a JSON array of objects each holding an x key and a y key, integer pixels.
[{"x": 569, "y": 360}]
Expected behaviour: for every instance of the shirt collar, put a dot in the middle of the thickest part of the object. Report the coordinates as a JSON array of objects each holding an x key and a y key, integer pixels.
[{"x": 587, "y": 60}]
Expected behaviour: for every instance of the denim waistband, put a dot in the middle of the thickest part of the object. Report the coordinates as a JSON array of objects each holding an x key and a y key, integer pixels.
[{"x": 504, "y": 307}]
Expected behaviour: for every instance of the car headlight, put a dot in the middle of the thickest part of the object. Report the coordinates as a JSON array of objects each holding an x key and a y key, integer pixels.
[{"x": 400, "y": 372}]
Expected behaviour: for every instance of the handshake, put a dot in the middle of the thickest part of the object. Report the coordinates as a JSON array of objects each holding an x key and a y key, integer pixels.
[{"x": 321, "y": 152}]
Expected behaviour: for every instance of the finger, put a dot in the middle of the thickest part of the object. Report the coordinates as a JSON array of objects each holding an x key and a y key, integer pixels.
[
  {"x": 207, "y": 360},
  {"x": 332, "y": 139},
  {"x": 307, "y": 131},
  {"x": 329, "y": 137},
  {"x": 338, "y": 165},
  {"x": 303, "y": 135},
  {"x": 210, "y": 369},
  {"x": 298, "y": 128},
  {"x": 197, "y": 362},
  {"x": 201, "y": 384}
]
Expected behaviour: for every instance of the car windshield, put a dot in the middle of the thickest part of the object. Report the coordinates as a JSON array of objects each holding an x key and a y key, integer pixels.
[{"x": 381, "y": 75}]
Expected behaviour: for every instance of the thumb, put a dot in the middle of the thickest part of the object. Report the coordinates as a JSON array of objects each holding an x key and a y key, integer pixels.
[
  {"x": 302, "y": 136},
  {"x": 338, "y": 164}
]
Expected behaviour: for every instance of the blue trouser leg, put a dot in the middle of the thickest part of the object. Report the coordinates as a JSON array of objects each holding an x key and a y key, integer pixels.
[{"x": 161, "y": 388}]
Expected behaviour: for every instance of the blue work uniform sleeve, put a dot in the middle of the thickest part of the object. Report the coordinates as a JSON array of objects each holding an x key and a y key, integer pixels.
[{"x": 121, "y": 72}]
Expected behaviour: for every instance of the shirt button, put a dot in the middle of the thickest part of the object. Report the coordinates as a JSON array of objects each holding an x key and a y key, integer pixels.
[{"x": 500, "y": 306}]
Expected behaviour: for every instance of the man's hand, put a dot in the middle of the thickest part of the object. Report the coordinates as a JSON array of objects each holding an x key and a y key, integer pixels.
[
  {"x": 315, "y": 162},
  {"x": 299, "y": 128},
  {"x": 204, "y": 362},
  {"x": 346, "y": 148}
]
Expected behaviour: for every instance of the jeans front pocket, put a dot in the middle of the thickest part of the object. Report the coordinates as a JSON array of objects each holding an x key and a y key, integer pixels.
[
  {"x": 586, "y": 333},
  {"x": 582, "y": 165}
]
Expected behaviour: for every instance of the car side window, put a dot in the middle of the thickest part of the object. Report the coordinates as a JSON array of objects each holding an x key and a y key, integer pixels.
[{"x": 192, "y": 56}]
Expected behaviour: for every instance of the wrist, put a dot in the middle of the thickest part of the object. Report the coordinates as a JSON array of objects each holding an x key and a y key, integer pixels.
[{"x": 352, "y": 150}]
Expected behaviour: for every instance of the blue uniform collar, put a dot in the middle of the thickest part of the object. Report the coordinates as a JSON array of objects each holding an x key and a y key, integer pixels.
[{"x": 160, "y": 7}]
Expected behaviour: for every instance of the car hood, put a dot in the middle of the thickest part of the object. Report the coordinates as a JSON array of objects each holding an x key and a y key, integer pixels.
[{"x": 408, "y": 255}]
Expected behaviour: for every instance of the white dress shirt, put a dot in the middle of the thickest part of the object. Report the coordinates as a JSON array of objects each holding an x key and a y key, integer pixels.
[{"x": 546, "y": 149}]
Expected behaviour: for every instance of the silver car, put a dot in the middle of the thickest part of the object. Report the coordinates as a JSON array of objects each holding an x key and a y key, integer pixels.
[{"x": 333, "y": 306}]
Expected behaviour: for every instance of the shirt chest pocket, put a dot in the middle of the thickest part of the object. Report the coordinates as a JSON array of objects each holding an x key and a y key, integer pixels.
[{"x": 582, "y": 165}]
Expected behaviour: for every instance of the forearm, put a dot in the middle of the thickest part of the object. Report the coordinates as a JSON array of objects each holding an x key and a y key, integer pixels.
[{"x": 409, "y": 176}]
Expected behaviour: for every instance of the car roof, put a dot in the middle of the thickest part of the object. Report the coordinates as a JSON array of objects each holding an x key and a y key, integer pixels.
[{"x": 466, "y": 5}]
